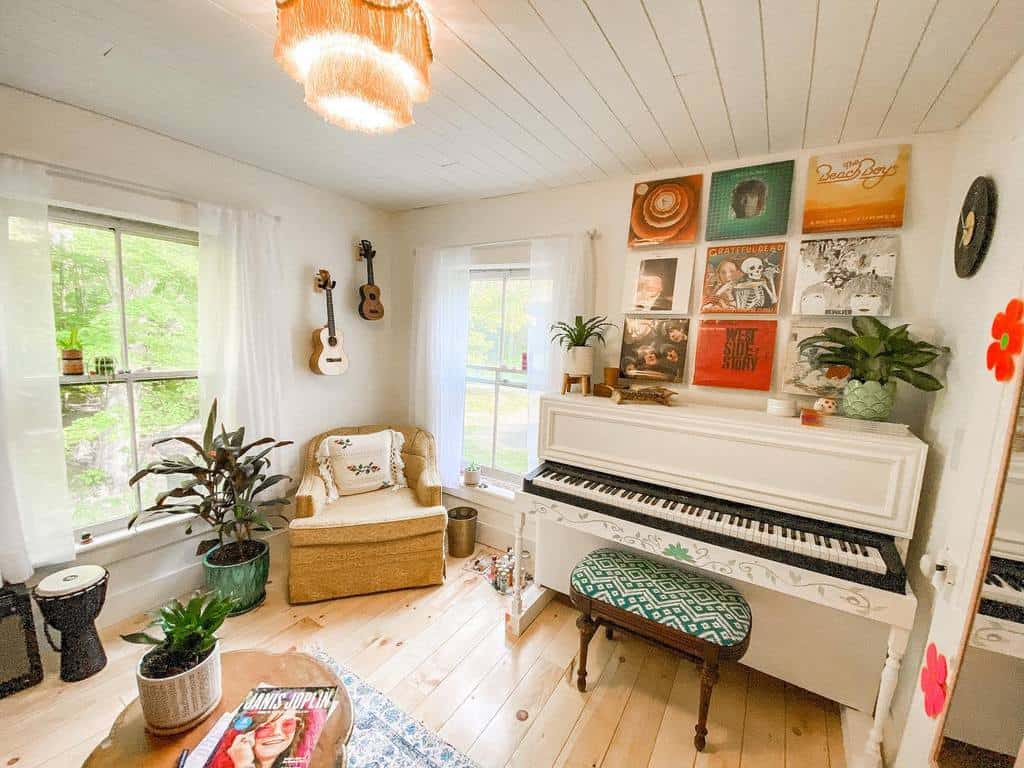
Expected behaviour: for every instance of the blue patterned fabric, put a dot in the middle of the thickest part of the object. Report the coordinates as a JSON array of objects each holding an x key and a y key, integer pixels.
[
  {"x": 383, "y": 736},
  {"x": 688, "y": 602}
]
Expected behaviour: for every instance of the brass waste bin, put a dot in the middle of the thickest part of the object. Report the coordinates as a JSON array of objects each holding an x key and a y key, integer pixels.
[{"x": 461, "y": 531}]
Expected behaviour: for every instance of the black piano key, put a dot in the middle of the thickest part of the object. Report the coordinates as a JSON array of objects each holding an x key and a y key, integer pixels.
[
  {"x": 842, "y": 545},
  {"x": 828, "y": 545},
  {"x": 802, "y": 537}
]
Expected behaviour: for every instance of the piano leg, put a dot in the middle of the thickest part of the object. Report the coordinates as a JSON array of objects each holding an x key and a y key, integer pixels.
[{"x": 886, "y": 689}]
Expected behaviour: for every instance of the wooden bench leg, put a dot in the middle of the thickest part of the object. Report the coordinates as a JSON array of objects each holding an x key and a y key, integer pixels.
[
  {"x": 708, "y": 678},
  {"x": 587, "y": 629}
]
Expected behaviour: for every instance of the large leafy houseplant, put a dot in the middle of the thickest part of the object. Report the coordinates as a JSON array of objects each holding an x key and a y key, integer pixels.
[
  {"x": 876, "y": 357},
  {"x": 222, "y": 480}
]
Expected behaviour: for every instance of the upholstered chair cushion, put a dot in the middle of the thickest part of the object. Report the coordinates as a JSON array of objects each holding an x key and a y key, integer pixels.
[{"x": 685, "y": 601}]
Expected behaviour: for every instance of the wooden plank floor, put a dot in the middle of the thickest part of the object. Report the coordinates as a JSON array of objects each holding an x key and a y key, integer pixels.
[{"x": 441, "y": 654}]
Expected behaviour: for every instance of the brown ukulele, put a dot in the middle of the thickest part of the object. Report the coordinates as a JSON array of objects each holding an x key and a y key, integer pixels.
[
  {"x": 370, "y": 307},
  {"x": 328, "y": 358}
]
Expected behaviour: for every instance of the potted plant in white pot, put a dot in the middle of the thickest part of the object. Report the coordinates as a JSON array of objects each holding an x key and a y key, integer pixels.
[
  {"x": 876, "y": 357},
  {"x": 471, "y": 474},
  {"x": 223, "y": 479},
  {"x": 578, "y": 357},
  {"x": 179, "y": 678}
]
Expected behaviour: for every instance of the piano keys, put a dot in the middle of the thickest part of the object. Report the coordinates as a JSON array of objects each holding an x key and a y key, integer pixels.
[
  {"x": 1002, "y": 593},
  {"x": 846, "y": 553}
]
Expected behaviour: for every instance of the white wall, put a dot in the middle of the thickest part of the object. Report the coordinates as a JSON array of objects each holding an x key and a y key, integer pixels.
[
  {"x": 966, "y": 424},
  {"x": 605, "y": 206},
  {"x": 317, "y": 230}
]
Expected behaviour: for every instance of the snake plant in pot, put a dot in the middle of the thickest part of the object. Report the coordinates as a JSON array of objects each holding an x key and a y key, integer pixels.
[
  {"x": 874, "y": 357},
  {"x": 223, "y": 478},
  {"x": 578, "y": 358}
]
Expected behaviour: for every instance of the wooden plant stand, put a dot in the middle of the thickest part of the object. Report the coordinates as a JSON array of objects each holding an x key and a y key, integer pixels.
[{"x": 583, "y": 380}]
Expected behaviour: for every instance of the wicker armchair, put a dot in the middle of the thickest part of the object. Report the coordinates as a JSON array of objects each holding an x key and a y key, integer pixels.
[{"x": 372, "y": 542}]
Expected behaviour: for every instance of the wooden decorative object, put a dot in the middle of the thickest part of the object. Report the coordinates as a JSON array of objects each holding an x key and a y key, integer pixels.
[
  {"x": 130, "y": 744},
  {"x": 611, "y": 376},
  {"x": 583, "y": 380},
  {"x": 603, "y": 390},
  {"x": 644, "y": 396},
  {"x": 71, "y": 362}
]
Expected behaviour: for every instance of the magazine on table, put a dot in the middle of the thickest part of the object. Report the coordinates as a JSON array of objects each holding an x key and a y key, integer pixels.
[{"x": 273, "y": 728}]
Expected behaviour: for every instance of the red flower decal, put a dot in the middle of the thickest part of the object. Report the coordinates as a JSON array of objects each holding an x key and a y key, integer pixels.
[
  {"x": 1008, "y": 332},
  {"x": 933, "y": 682}
]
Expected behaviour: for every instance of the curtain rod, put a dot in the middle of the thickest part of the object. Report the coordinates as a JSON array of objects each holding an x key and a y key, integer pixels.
[
  {"x": 88, "y": 177},
  {"x": 592, "y": 233}
]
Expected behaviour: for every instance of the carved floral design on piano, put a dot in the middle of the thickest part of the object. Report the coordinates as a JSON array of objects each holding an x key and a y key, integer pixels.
[{"x": 853, "y": 597}]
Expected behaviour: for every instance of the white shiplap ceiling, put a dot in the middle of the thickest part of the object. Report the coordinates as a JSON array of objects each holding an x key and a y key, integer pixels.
[{"x": 530, "y": 93}]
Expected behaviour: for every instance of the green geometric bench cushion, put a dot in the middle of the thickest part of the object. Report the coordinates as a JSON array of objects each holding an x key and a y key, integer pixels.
[{"x": 690, "y": 603}]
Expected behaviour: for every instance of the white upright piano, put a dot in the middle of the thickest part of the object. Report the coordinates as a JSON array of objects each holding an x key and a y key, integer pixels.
[{"x": 811, "y": 524}]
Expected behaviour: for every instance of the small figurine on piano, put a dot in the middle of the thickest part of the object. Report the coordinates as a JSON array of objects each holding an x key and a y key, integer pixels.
[{"x": 644, "y": 396}]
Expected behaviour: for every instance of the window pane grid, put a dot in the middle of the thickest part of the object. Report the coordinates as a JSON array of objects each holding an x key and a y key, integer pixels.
[
  {"x": 496, "y": 421},
  {"x": 110, "y": 420}
]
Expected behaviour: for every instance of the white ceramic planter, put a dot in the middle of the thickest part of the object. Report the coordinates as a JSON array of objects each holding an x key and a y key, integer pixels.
[
  {"x": 578, "y": 361},
  {"x": 471, "y": 476},
  {"x": 175, "y": 704}
]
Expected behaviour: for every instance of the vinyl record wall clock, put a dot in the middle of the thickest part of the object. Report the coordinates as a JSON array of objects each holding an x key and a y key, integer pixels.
[{"x": 974, "y": 230}]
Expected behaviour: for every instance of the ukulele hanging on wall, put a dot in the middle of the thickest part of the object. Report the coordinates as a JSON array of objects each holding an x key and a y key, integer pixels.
[
  {"x": 370, "y": 307},
  {"x": 328, "y": 358}
]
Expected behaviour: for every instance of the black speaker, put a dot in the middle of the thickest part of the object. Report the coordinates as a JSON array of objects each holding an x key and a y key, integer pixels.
[{"x": 20, "y": 665}]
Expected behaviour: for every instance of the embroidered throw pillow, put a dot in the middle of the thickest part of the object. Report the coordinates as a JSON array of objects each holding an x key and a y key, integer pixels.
[{"x": 351, "y": 464}]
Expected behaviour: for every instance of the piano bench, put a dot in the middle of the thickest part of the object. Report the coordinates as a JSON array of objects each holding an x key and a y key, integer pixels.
[{"x": 706, "y": 621}]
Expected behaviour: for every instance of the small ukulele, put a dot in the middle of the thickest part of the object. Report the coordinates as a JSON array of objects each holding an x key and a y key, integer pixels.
[
  {"x": 328, "y": 358},
  {"x": 370, "y": 307}
]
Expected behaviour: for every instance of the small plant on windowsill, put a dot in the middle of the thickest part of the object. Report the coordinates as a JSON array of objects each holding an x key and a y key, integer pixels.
[
  {"x": 578, "y": 359},
  {"x": 471, "y": 474},
  {"x": 179, "y": 679},
  {"x": 223, "y": 479},
  {"x": 70, "y": 345}
]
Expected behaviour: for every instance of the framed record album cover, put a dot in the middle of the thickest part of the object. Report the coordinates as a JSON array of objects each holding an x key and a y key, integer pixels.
[
  {"x": 653, "y": 349},
  {"x": 802, "y": 374},
  {"x": 743, "y": 279},
  {"x": 846, "y": 276},
  {"x": 659, "y": 282},
  {"x": 735, "y": 353},
  {"x": 750, "y": 202},
  {"x": 865, "y": 189},
  {"x": 665, "y": 212}
]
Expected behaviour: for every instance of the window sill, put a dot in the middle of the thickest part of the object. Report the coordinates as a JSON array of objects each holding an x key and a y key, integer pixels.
[
  {"x": 488, "y": 494},
  {"x": 124, "y": 542}
]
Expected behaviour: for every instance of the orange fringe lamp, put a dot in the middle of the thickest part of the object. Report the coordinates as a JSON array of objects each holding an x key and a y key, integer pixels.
[{"x": 362, "y": 62}]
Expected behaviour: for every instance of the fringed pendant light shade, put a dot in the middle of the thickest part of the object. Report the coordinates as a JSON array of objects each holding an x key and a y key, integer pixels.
[{"x": 362, "y": 62}]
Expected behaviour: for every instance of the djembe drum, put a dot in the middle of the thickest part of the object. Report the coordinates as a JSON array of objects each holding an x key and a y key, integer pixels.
[{"x": 70, "y": 600}]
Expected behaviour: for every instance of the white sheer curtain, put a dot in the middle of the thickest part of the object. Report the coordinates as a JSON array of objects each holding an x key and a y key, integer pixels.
[
  {"x": 441, "y": 317},
  {"x": 35, "y": 514},
  {"x": 561, "y": 274},
  {"x": 244, "y": 353}
]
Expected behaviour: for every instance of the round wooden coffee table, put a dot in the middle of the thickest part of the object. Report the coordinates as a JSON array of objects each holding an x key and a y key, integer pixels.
[{"x": 130, "y": 744}]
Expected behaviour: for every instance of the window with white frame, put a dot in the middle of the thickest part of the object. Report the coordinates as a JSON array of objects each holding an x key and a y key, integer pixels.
[
  {"x": 126, "y": 294},
  {"x": 496, "y": 408}
]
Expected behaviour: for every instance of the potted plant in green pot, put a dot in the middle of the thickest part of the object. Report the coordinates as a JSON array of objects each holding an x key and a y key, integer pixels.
[
  {"x": 876, "y": 357},
  {"x": 578, "y": 357},
  {"x": 222, "y": 479},
  {"x": 179, "y": 678}
]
